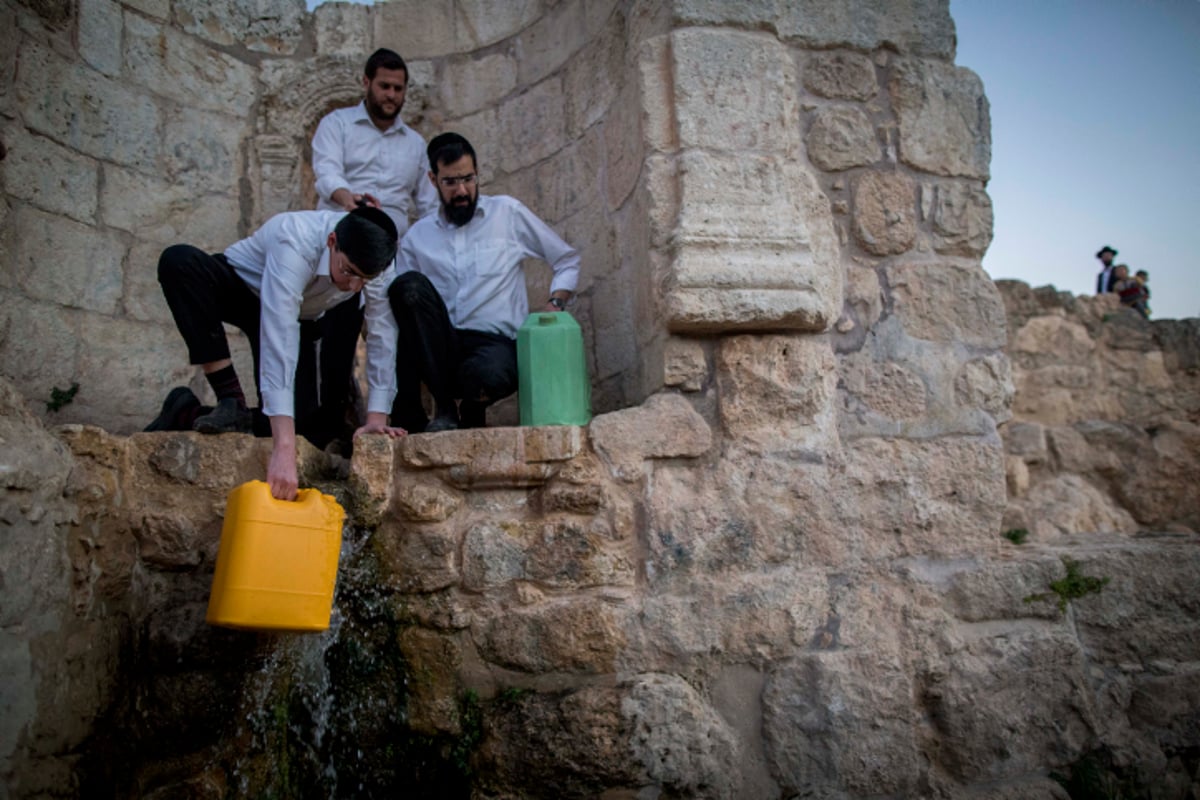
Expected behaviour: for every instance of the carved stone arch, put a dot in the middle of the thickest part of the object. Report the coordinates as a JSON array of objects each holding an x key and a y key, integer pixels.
[{"x": 297, "y": 96}]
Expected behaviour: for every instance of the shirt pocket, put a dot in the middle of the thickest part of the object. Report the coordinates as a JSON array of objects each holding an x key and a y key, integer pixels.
[{"x": 489, "y": 259}]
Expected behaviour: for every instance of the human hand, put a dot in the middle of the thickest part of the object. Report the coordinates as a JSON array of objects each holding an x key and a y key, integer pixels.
[
  {"x": 388, "y": 430},
  {"x": 366, "y": 199},
  {"x": 281, "y": 473}
]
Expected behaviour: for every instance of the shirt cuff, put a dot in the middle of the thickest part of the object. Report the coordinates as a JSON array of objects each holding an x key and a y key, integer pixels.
[
  {"x": 380, "y": 401},
  {"x": 279, "y": 403}
]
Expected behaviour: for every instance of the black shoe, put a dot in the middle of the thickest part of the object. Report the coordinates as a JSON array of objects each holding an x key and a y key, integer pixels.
[
  {"x": 472, "y": 414},
  {"x": 227, "y": 417},
  {"x": 179, "y": 399},
  {"x": 442, "y": 422}
]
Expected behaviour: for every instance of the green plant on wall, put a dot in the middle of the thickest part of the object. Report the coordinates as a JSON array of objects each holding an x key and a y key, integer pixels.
[
  {"x": 1016, "y": 535},
  {"x": 61, "y": 397},
  {"x": 1070, "y": 587}
]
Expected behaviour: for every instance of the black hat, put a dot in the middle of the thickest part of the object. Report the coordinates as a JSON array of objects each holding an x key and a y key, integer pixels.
[{"x": 1105, "y": 249}]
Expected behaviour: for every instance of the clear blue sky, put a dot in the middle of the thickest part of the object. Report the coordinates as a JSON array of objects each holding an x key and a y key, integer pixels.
[{"x": 1095, "y": 139}]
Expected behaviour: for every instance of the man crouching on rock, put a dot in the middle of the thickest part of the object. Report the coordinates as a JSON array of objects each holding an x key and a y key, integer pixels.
[{"x": 274, "y": 285}]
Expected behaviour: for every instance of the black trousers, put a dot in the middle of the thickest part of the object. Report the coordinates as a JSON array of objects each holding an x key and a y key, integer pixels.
[
  {"x": 203, "y": 291},
  {"x": 476, "y": 367}
]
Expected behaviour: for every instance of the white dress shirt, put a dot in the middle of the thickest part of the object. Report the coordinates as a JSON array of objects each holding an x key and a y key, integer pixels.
[
  {"x": 476, "y": 268},
  {"x": 286, "y": 263},
  {"x": 349, "y": 152}
]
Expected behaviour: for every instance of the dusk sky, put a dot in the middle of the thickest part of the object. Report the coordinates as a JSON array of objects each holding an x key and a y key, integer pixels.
[{"x": 1095, "y": 139}]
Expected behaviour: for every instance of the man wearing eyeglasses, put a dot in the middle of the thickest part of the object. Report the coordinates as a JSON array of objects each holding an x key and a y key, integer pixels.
[
  {"x": 460, "y": 296},
  {"x": 365, "y": 155},
  {"x": 274, "y": 286}
]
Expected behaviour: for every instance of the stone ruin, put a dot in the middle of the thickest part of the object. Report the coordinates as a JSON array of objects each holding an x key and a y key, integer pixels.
[{"x": 774, "y": 563}]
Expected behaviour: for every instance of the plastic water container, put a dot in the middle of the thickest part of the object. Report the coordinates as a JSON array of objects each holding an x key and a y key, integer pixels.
[
  {"x": 552, "y": 371},
  {"x": 278, "y": 561}
]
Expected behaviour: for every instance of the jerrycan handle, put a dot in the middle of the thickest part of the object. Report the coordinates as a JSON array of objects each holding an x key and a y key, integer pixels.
[{"x": 548, "y": 318}]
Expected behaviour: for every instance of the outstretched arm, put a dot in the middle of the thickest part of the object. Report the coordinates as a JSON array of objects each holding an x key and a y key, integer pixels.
[{"x": 281, "y": 470}]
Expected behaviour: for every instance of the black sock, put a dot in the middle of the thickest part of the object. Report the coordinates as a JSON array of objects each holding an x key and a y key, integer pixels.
[{"x": 225, "y": 383}]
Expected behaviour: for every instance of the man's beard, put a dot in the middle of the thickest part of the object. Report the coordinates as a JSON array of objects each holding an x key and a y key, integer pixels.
[
  {"x": 375, "y": 111},
  {"x": 460, "y": 214}
]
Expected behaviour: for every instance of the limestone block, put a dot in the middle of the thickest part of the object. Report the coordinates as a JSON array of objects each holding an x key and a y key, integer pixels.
[
  {"x": 433, "y": 660},
  {"x": 566, "y": 183},
  {"x": 1009, "y": 697},
  {"x": 397, "y": 27},
  {"x": 417, "y": 559},
  {"x": 425, "y": 502},
  {"x": 942, "y": 496},
  {"x": 864, "y": 295},
  {"x": 205, "y": 151},
  {"x": 842, "y": 137},
  {"x": 657, "y": 93},
  {"x": 754, "y": 247},
  {"x": 492, "y": 448},
  {"x": 665, "y": 426},
  {"x": 841, "y": 722},
  {"x": 162, "y": 213},
  {"x": 124, "y": 400},
  {"x": 733, "y": 91},
  {"x": 157, "y": 58},
  {"x": 478, "y": 82},
  {"x": 478, "y": 23},
  {"x": 947, "y": 302},
  {"x": 526, "y": 134},
  {"x": 100, "y": 35},
  {"x": 624, "y": 150},
  {"x": 555, "y": 553},
  {"x": 913, "y": 26},
  {"x": 85, "y": 270},
  {"x": 275, "y": 29},
  {"x": 589, "y": 100},
  {"x": 1025, "y": 439},
  {"x": 613, "y": 319},
  {"x": 686, "y": 364},
  {"x": 841, "y": 74},
  {"x": 51, "y": 177},
  {"x": 1065, "y": 505},
  {"x": 568, "y": 743},
  {"x": 169, "y": 542},
  {"x": 962, "y": 218},
  {"x": 30, "y": 330},
  {"x": 97, "y": 116},
  {"x": 1016, "y": 474},
  {"x": 886, "y": 388},
  {"x": 575, "y": 634},
  {"x": 8, "y": 235},
  {"x": 945, "y": 124},
  {"x": 986, "y": 382},
  {"x": 372, "y": 478},
  {"x": 777, "y": 392},
  {"x": 554, "y": 37},
  {"x": 885, "y": 213},
  {"x": 343, "y": 29},
  {"x": 679, "y": 740}
]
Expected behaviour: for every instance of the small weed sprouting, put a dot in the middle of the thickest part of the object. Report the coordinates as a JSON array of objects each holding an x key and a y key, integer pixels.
[
  {"x": 61, "y": 397},
  {"x": 1016, "y": 535},
  {"x": 512, "y": 695},
  {"x": 470, "y": 715},
  {"x": 1071, "y": 586}
]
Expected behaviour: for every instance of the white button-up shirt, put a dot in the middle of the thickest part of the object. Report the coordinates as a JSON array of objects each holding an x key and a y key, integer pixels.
[
  {"x": 286, "y": 263},
  {"x": 349, "y": 152},
  {"x": 476, "y": 268}
]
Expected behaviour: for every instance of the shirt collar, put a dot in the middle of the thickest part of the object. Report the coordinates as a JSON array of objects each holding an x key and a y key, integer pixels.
[{"x": 361, "y": 116}]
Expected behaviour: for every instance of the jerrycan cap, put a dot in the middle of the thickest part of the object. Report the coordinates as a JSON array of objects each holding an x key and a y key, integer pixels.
[{"x": 548, "y": 318}]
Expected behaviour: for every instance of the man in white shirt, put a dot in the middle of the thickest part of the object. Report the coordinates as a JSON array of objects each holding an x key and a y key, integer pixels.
[
  {"x": 365, "y": 155},
  {"x": 460, "y": 296},
  {"x": 274, "y": 286}
]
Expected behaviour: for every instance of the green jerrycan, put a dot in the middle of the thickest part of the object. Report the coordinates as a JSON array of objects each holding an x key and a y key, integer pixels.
[{"x": 552, "y": 371}]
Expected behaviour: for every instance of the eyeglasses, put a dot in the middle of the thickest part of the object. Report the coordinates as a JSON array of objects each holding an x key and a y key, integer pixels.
[{"x": 450, "y": 181}]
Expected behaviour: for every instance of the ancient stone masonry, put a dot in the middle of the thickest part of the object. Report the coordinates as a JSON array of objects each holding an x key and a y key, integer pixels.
[{"x": 772, "y": 565}]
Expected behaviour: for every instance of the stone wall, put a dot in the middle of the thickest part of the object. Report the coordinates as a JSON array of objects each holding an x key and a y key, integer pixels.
[{"x": 1105, "y": 434}]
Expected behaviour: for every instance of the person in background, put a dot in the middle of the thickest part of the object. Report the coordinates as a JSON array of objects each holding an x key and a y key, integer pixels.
[
  {"x": 1133, "y": 290},
  {"x": 1104, "y": 280},
  {"x": 274, "y": 286},
  {"x": 365, "y": 155},
  {"x": 460, "y": 296}
]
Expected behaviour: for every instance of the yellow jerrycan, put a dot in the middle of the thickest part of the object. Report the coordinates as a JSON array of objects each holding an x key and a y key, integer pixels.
[{"x": 277, "y": 564}]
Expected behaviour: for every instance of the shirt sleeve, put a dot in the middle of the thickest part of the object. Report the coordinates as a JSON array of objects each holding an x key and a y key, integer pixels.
[
  {"x": 329, "y": 157},
  {"x": 284, "y": 279},
  {"x": 381, "y": 343},
  {"x": 540, "y": 241}
]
